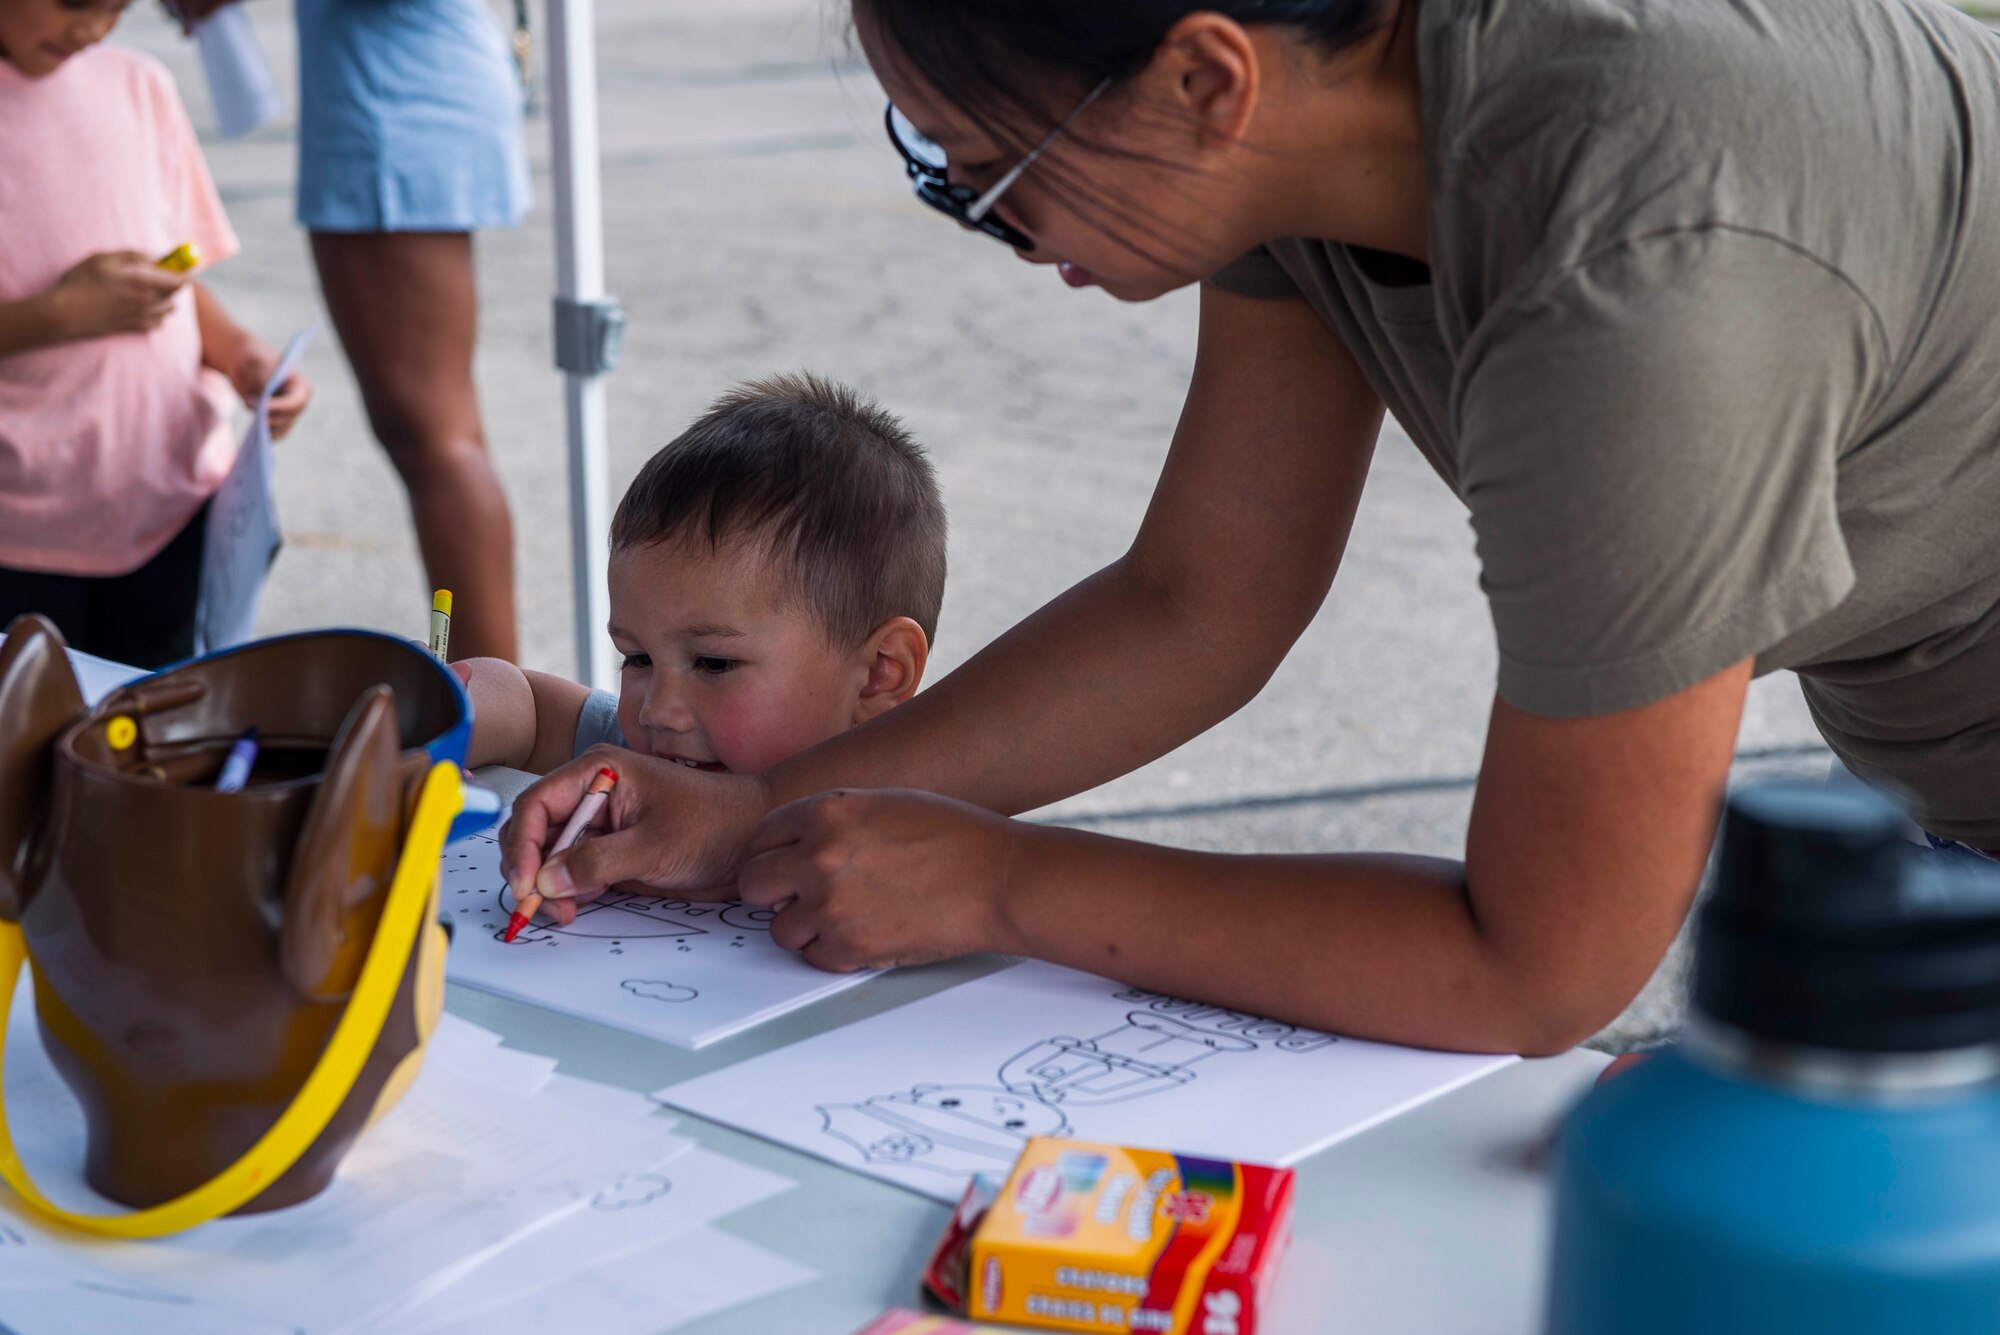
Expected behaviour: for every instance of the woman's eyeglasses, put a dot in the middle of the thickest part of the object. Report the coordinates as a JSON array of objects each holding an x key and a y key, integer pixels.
[{"x": 931, "y": 180}]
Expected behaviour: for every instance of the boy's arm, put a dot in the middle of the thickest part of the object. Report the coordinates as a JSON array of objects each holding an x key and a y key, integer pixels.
[
  {"x": 558, "y": 704},
  {"x": 503, "y": 712},
  {"x": 523, "y": 720}
]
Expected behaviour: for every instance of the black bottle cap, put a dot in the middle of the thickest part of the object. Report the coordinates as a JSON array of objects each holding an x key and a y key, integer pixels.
[{"x": 1828, "y": 929}]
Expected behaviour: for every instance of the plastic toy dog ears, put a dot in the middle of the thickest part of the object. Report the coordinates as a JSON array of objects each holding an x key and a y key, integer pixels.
[{"x": 39, "y": 697}]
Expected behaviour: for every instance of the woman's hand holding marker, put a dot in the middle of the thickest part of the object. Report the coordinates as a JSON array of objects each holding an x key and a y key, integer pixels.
[
  {"x": 586, "y": 811},
  {"x": 713, "y": 816}
]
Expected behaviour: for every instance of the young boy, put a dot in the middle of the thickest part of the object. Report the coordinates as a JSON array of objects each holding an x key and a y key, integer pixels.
[
  {"x": 775, "y": 580},
  {"x": 114, "y": 383}
]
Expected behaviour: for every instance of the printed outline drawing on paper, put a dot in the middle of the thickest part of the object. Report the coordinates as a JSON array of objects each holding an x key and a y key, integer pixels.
[
  {"x": 1145, "y": 1055},
  {"x": 615, "y": 916},
  {"x": 746, "y": 919},
  {"x": 960, "y": 1129},
  {"x": 632, "y": 1190},
  {"x": 684, "y": 973},
  {"x": 668, "y": 991},
  {"x": 949, "y": 1129}
]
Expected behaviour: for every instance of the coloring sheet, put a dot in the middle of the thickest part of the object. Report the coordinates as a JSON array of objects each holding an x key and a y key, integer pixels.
[
  {"x": 461, "y": 1169},
  {"x": 637, "y": 1213},
  {"x": 242, "y": 537},
  {"x": 929, "y": 1094},
  {"x": 686, "y": 974},
  {"x": 670, "y": 1284}
]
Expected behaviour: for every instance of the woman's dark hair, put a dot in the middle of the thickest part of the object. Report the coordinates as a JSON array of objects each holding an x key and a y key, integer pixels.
[
  {"x": 1015, "y": 67},
  {"x": 994, "y": 57}
]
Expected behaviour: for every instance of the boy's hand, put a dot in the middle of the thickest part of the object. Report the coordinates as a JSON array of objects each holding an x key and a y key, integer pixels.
[
  {"x": 251, "y": 371},
  {"x": 872, "y": 879},
  {"x": 114, "y": 292}
]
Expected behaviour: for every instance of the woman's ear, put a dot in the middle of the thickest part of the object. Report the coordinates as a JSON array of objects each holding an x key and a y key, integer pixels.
[
  {"x": 1207, "y": 64},
  {"x": 897, "y": 652}
]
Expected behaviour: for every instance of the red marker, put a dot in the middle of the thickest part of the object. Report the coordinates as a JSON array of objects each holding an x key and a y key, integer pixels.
[{"x": 586, "y": 811}]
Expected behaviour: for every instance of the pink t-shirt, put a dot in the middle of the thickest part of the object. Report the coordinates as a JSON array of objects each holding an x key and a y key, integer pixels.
[{"x": 108, "y": 445}]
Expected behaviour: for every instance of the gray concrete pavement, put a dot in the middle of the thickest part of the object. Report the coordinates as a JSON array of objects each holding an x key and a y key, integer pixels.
[{"x": 756, "y": 221}]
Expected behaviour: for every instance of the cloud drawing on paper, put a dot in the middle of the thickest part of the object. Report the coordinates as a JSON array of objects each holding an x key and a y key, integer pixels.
[{"x": 653, "y": 989}]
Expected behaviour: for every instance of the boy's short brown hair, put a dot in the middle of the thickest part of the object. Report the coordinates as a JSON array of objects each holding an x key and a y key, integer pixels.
[{"x": 846, "y": 500}]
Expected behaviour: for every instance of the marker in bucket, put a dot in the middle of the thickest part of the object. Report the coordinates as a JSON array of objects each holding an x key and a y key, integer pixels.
[
  {"x": 586, "y": 811},
  {"x": 236, "y": 769},
  {"x": 440, "y": 623}
]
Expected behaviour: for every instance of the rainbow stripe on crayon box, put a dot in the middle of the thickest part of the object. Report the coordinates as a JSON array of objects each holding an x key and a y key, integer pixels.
[
  {"x": 901, "y": 1321},
  {"x": 1106, "y": 1238}
]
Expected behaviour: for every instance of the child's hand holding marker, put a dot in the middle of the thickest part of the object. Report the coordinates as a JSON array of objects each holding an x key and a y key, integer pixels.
[
  {"x": 184, "y": 258},
  {"x": 113, "y": 292},
  {"x": 586, "y": 811}
]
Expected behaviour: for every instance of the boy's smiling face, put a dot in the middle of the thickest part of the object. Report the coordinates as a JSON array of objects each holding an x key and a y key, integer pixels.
[
  {"x": 37, "y": 36},
  {"x": 723, "y": 667}
]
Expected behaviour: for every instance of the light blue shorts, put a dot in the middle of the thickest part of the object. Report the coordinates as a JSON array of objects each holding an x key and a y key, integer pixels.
[{"x": 409, "y": 118}]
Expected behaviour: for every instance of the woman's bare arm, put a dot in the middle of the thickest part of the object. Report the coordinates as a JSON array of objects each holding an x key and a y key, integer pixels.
[
  {"x": 1245, "y": 531},
  {"x": 1588, "y": 838}
]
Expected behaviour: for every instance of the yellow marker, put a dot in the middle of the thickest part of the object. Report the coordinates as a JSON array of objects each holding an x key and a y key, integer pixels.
[
  {"x": 440, "y": 623},
  {"x": 121, "y": 732},
  {"x": 181, "y": 258}
]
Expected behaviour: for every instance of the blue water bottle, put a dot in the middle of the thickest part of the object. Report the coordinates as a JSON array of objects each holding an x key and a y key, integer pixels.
[{"x": 1820, "y": 1154}]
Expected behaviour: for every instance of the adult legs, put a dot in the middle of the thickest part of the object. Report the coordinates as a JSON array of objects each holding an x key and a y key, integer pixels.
[{"x": 405, "y": 305}]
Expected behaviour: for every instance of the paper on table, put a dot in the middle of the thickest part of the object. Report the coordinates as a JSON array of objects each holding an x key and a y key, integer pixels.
[
  {"x": 686, "y": 974},
  {"x": 459, "y": 1170},
  {"x": 953, "y": 1084},
  {"x": 239, "y": 81},
  {"x": 609, "y": 1100},
  {"x": 43, "y": 1293},
  {"x": 474, "y": 1056},
  {"x": 634, "y": 1214},
  {"x": 668, "y": 1285},
  {"x": 82, "y": 1301},
  {"x": 242, "y": 536},
  {"x": 99, "y": 677}
]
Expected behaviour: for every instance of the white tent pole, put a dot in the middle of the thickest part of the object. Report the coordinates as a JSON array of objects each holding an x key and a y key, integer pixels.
[{"x": 587, "y": 322}]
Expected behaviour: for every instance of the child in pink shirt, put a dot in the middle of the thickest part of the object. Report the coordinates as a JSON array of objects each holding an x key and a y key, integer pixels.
[{"x": 114, "y": 381}]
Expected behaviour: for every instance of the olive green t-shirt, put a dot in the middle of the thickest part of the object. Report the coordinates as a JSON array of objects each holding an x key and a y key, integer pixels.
[{"x": 1710, "y": 348}]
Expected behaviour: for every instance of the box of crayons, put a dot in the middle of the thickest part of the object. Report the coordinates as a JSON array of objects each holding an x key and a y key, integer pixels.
[{"x": 1106, "y": 1238}]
